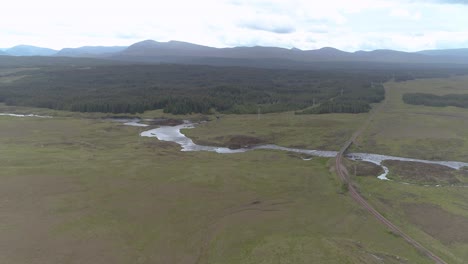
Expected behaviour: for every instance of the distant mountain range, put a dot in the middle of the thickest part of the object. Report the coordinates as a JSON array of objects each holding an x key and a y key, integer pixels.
[
  {"x": 182, "y": 52},
  {"x": 90, "y": 51},
  {"x": 150, "y": 51}
]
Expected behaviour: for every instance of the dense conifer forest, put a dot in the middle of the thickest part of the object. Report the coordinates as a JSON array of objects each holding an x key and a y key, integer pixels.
[
  {"x": 180, "y": 89},
  {"x": 184, "y": 89}
]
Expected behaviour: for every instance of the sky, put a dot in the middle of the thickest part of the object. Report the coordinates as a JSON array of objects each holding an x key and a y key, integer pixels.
[{"x": 350, "y": 25}]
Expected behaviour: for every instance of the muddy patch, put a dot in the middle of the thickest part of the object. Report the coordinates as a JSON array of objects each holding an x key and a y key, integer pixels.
[
  {"x": 417, "y": 172},
  {"x": 444, "y": 226}
]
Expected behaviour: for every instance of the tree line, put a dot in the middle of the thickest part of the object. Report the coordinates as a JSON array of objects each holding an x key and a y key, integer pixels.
[{"x": 457, "y": 100}]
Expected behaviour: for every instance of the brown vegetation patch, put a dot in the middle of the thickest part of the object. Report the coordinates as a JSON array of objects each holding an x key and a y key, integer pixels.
[
  {"x": 164, "y": 122},
  {"x": 447, "y": 227},
  {"x": 157, "y": 144},
  {"x": 239, "y": 141},
  {"x": 421, "y": 172},
  {"x": 463, "y": 171}
]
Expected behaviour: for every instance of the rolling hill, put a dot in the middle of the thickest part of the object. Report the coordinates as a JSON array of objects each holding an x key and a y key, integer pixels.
[
  {"x": 90, "y": 51},
  {"x": 26, "y": 50}
]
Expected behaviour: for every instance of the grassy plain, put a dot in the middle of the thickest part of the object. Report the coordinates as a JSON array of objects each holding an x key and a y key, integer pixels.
[
  {"x": 435, "y": 216},
  {"x": 76, "y": 190}
]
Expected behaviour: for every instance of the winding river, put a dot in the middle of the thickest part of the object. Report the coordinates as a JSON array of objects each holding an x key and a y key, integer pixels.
[{"x": 174, "y": 134}]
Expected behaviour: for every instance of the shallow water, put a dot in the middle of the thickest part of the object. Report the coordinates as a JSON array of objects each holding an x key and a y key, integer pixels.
[
  {"x": 129, "y": 121},
  {"x": 136, "y": 124},
  {"x": 173, "y": 134}
]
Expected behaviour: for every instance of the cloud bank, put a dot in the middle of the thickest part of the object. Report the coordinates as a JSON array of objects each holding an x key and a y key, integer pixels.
[{"x": 348, "y": 25}]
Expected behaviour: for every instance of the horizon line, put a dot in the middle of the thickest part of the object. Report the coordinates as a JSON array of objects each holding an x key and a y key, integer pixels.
[{"x": 230, "y": 47}]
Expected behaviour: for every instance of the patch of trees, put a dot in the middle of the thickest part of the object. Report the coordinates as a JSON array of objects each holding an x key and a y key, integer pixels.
[
  {"x": 357, "y": 102},
  {"x": 457, "y": 100}
]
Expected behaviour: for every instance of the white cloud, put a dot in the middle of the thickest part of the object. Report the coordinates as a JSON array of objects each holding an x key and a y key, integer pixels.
[
  {"x": 404, "y": 13},
  {"x": 306, "y": 24}
]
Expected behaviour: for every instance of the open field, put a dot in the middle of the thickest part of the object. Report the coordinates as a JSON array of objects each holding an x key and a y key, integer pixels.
[
  {"x": 85, "y": 190},
  {"x": 434, "y": 216}
]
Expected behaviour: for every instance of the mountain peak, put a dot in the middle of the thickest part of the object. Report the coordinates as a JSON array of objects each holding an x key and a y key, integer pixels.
[
  {"x": 146, "y": 43},
  {"x": 329, "y": 49}
]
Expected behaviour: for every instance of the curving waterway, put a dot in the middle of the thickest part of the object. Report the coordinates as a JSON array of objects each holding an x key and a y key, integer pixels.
[{"x": 174, "y": 134}]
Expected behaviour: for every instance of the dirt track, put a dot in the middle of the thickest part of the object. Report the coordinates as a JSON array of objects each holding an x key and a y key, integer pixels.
[{"x": 343, "y": 174}]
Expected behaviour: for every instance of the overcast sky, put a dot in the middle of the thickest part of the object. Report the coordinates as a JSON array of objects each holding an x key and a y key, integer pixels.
[{"x": 349, "y": 25}]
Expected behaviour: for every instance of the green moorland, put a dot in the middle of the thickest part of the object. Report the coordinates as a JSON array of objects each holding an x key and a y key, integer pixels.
[
  {"x": 80, "y": 190},
  {"x": 435, "y": 216}
]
